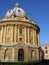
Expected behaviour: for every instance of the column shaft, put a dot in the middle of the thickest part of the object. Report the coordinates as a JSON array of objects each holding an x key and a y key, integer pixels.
[
  {"x": 33, "y": 37},
  {"x": 4, "y": 34},
  {"x": 38, "y": 39},
  {"x": 28, "y": 34},
  {"x": 12, "y": 33},
  {"x": 25, "y": 35},
  {"x": 15, "y": 33}
]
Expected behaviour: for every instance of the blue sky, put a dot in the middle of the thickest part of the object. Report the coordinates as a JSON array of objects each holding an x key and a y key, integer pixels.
[{"x": 37, "y": 10}]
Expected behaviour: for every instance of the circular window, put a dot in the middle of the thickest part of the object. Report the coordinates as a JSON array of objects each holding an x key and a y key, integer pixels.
[{"x": 18, "y": 10}]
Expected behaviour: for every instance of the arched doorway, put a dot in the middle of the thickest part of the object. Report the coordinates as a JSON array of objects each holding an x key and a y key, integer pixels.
[{"x": 20, "y": 55}]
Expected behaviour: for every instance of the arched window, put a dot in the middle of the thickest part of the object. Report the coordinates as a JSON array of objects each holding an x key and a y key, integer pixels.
[
  {"x": 20, "y": 55},
  {"x": 6, "y": 54}
]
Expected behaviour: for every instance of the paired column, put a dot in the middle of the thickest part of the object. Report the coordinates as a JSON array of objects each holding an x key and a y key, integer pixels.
[
  {"x": 15, "y": 33},
  {"x": 34, "y": 37},
  {"x": 12, "y": 33}
]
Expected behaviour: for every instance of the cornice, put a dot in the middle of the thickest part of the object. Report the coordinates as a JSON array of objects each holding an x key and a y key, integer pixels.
[
  {"x": 8, "y": 44},
  {"x": 20, "y": 21}
]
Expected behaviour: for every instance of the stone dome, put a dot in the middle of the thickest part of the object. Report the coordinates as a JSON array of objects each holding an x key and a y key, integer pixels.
[
  {"x": 16, "y": 12},
  {"x": 9, "y": 13},
  {"x": 19, "y": 12},
  {"x": 18, "y": 37}
]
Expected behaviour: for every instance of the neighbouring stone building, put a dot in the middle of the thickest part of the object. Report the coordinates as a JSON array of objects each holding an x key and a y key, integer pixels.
[
  {"x": 45, "y": 48},
  {"x": 19, "y": 37}
]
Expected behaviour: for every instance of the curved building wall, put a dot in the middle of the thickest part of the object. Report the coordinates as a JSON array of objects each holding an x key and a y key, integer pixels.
[
  {"x": 19, "y": 31},
  {"x": 19, "y": 37}
]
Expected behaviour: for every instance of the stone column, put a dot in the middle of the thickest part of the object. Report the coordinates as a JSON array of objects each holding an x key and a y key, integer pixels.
[
  {"x": 33, "y": 36},
  {"x": 25, "y": 35},
  {"x": 1, "y": 34},
  {"x": 4, "y": 34},
  {"x": 28, "y": 34},
  {"x": 38, "y": 39},
  {"x": 12, "y": 33},
  {"x": 18, "y": 33},
  {"x": 15, "y": 33}
]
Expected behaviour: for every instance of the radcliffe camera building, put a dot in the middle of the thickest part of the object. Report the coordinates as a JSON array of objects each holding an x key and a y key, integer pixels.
[{"x": 19, "y": 37}]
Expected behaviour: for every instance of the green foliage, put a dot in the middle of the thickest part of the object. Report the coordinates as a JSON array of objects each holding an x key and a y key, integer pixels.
[{"x": 18, "y": 63}]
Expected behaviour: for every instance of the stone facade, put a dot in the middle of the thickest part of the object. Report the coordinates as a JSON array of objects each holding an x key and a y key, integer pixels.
[
  {"x": 45, "y": 48},
  {"x": 19, "y": 37}
]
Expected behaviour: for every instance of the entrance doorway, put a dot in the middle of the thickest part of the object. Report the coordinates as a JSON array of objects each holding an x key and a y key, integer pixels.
[{"x": 21, "y": 55}]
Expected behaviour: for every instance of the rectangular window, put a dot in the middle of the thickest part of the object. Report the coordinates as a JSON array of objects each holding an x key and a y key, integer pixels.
[
  {"x": 20, "y": 40},
  {"x": 46, "y": 52},
  {"x": 20, "y": 30}
]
